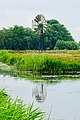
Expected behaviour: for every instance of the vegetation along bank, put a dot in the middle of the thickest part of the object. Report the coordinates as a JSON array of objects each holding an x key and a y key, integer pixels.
[{"x": 54, "y": 62}]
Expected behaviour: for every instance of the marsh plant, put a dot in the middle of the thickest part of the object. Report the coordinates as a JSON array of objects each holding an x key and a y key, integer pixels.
[
  {"x": 51, "y": 62},
  {"x": 17, "y": 110}
]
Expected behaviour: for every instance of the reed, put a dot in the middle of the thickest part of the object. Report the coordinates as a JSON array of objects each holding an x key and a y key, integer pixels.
[
  {"x": 16, "y": 110},
  {"x": 51, "y": 63}
]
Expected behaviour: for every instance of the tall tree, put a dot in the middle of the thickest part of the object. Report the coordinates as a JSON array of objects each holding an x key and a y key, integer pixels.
[{"x": 56, "y": 31}]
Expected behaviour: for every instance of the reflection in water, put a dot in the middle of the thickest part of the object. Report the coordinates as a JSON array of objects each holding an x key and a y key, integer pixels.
[
  {"x": 40, "y": 93},
  {"x": 62, "y": 99}
]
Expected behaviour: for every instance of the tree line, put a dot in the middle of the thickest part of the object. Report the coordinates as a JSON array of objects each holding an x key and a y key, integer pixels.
[{"x": 56, "y": 36}]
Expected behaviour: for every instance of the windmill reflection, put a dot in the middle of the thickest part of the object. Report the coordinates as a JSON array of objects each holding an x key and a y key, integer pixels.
[{"x": 40, "y": 93}]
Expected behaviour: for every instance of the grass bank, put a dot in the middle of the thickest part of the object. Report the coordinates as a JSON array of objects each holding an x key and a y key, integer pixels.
[
  {"x": 49, "y": 63},
  {"x": 16, "y": 110}
]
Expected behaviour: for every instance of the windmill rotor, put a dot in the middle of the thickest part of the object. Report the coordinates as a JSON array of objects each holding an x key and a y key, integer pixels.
[
  {"x": 39, "y": 18},
  {"x": 39, "y": 24}
]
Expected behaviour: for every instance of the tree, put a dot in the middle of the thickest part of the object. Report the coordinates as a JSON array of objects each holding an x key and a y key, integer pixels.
[
  {"x": 52, "y": 21},
  {"x": 18, "y": 38},
  {"x": 56, "y": 31},
  {"x": 79, "y": 44},
  {"x": 68, "y": 45}
]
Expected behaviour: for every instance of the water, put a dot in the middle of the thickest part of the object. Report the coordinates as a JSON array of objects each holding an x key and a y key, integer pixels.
[{"x": 62, "y": 99}]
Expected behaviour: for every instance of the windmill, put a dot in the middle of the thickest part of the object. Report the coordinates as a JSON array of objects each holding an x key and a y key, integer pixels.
[{"x": 39, "y": 24}]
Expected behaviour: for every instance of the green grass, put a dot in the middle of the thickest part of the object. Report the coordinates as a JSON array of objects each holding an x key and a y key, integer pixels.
[
  {"x": 16, "y": 110},
  {"x": 49, "y": 63}
]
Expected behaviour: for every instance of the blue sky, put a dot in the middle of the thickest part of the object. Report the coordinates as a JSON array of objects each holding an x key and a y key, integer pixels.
[{"x": 21, "y": 12}]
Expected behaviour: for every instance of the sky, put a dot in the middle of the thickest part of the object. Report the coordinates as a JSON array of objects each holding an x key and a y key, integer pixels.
[{"x": 22, "y": 12}]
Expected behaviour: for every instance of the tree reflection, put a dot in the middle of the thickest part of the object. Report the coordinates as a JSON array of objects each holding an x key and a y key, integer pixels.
[{"x": 40, "y": 93}]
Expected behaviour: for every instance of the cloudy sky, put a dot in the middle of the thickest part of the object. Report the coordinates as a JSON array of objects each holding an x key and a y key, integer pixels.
[{"x": 21, "y": 12}]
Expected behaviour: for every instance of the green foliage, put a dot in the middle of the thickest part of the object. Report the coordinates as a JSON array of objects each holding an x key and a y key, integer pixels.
[
  {"x": 51, "y": 66},
  {"x": 68, "y": 45},
  {"x": 16, "y": 110},
  {"x": 56, "y": 31},
  {"x": 42, "y": 63},
  {"x": 20, "y": 38},
  {"x": 79, "y": 44},
  {"x": 52, "y": 21}
]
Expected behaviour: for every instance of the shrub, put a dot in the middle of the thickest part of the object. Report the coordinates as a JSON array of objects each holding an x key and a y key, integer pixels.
[{"x": 68, "y": 45}]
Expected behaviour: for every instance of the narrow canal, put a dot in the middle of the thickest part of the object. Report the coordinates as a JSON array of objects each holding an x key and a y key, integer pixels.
[{"x": 59, "y": 99}]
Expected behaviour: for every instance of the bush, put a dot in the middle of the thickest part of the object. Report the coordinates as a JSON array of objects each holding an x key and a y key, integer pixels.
[{"x": 68, "y": 45}]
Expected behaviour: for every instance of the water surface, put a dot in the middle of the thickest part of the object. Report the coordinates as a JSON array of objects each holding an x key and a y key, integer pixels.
[{"x": 61, "y": 98}]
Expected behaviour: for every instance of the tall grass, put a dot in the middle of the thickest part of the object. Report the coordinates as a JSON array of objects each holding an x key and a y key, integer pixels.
[
  {"x": 52, "y": 63},
  {"x": 16, "y": 110}
]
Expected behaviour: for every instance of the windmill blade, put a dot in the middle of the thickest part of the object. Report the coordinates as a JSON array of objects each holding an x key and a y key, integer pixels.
[
  {"x": 34, "y": 24},
  {"x": 44, "y": 24},
  {"x": 43, "y": 19}
]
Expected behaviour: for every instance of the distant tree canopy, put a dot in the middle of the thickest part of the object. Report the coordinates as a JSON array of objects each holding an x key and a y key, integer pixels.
[
  {"x": 20, "y": 38},
  {"x": 55, "y": 31},
  {"x": 68, "y": 45}
]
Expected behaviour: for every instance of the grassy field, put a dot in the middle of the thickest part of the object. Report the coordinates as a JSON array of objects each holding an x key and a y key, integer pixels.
[
  {"x": 54, "y": 62},
  {"x": 16, "y": 110}
]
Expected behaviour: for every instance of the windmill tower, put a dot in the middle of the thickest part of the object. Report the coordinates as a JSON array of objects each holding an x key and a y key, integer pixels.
[{"x": 39, "y": 24}]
